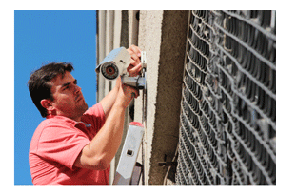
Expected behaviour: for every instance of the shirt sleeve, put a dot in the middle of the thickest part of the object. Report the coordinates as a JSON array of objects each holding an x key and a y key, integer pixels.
[
  {"x": 95, "y": 116},
  {"x": 61, "y": 144},
  {"x": 97, "y": 111}
]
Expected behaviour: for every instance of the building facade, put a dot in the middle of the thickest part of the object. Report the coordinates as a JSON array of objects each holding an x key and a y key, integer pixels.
[{"x": 209, "y": 110}]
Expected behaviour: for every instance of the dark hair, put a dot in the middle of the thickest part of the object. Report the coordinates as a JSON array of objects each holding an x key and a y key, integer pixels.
[{"x": 39, "y": 86}]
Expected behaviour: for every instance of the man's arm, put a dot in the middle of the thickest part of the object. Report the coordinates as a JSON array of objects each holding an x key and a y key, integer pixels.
[
  {"x": 102, "y": 148},
  {"x": 108, "y": 101},
  {"x": 133, "y": 69}
]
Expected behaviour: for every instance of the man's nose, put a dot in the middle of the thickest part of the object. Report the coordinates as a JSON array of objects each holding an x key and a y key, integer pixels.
[{"x": 77, "y": 89}]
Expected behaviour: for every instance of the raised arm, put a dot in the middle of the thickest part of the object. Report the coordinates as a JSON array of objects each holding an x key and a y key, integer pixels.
[
  {"x": 102, "y": 148},
  {"x": 108, "y": 101},
  {"x": 133, "y": 69}
]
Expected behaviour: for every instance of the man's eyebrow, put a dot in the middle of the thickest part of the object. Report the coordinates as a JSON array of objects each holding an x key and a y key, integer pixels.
[{"x": 68, "y": 83}]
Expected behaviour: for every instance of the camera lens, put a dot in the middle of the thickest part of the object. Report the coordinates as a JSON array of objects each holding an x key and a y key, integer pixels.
[{"x": 109, "y": 70}]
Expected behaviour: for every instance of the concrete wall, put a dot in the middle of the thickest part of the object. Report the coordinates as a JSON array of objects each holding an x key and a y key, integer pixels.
[
  {"x": 112, "y": 32},
  {"x": 162, "y": 34}
]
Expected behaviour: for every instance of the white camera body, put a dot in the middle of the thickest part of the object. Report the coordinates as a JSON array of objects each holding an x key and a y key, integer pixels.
[{"x": 115, "y": 64}]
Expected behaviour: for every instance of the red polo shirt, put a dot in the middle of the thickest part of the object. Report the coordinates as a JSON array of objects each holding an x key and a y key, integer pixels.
[{"x": 55, "y": 145}]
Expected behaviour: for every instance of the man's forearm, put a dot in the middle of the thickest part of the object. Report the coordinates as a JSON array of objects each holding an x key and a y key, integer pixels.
[
  {"x": 106, "y": 142},
  {"x": 109, "y": 100},
  {"x": 102, "y": 148}
]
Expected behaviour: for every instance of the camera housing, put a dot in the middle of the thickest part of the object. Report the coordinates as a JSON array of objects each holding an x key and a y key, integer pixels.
[{"x": 115, "y": 64}]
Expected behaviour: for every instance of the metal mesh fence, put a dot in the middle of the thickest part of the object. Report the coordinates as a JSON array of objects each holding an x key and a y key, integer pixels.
[{"x": 228, "y": 117}]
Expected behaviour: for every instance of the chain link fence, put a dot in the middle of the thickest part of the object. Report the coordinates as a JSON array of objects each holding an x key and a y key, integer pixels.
[{"x": 228, "y": 117}]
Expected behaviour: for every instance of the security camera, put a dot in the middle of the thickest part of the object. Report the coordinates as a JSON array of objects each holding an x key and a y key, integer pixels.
[{"x": 115, "y": 64}]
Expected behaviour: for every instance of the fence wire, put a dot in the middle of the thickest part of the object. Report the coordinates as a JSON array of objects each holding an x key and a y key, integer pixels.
[{"x": 228, "y": 117}]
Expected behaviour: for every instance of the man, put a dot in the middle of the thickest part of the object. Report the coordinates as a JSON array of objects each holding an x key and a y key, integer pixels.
[{"x": 74, "y": 145}]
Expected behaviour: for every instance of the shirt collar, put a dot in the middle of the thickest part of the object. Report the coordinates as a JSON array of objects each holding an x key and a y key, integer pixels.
[{"x": 66, "y": 119}]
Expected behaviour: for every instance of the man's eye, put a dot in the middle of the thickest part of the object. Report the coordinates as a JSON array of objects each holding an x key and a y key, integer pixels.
[{"x": 67, "y": 87}]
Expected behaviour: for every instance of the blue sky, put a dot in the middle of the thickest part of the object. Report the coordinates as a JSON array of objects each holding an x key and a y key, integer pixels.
[{"x": 41, "y": 37}]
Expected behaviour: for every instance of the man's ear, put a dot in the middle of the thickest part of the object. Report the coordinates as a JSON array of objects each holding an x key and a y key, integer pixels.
[{"x": 46, "y": 103}]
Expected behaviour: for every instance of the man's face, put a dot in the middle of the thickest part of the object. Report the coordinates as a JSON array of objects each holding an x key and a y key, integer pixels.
[{"x": 67, "y": 97}]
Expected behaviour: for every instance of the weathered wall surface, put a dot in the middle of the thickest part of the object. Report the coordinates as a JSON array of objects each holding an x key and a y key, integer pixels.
[{"x": 162, "y": 34}]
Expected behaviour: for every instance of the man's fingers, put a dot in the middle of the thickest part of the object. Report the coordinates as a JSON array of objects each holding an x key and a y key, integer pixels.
[
  {"x": 136, "y": 68},
  {"x": 135, "y": 49},
  {"x": 134, "y": 62},
  {"x": 134, "y": 57},
  {"x": 135, "y": 93},
  {"x": 130, "y": 93}
]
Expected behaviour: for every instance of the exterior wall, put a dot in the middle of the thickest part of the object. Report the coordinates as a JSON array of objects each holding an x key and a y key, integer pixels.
[
  {"x": 111, "y": 33},
  {"x": 226, "y": 135},
  {"x": 162, "y": 34}
]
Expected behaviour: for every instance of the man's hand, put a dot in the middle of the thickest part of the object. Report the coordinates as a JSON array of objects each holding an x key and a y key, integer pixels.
[
  {"x": 135, "y": 65},
  {"x": 128, "y": 93}
]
